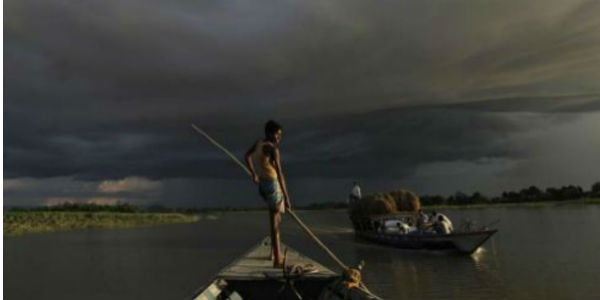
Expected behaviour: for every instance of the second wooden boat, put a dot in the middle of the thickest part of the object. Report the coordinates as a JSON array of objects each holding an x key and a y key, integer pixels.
[{"x": 460, "y": 241}]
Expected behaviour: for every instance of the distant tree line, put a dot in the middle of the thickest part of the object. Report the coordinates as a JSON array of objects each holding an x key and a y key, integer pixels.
[
  {"x": 126, "y": 208},
  {"x": 530, "y": 194},
  {"x": 195, "y": 210},
  {"x": 88, "y": 207}
]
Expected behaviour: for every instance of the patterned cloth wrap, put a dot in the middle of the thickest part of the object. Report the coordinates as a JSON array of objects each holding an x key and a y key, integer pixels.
[{"x": 271, "y": 192}]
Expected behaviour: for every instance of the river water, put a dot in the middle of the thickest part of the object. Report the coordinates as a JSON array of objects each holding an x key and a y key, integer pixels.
[{"x": 548, "y": 252}]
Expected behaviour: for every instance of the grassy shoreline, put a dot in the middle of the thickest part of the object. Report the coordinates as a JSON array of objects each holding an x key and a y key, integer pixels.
[
  {"x": 586, "y": 201},
  {"x": 548, "y": 203},
  {"x": 20, "y": 222}
]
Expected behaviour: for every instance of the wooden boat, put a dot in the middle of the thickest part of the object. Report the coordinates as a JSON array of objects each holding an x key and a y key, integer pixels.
[
  {"x": 464, "y": 240},
  {"x": 252, "y": 277}
]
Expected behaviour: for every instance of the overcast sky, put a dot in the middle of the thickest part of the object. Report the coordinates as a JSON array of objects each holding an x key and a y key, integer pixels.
[{"x": 432, "y": 96}]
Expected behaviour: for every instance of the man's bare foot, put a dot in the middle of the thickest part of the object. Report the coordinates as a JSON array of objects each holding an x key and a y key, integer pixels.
[{"x": 278, "y": 265}]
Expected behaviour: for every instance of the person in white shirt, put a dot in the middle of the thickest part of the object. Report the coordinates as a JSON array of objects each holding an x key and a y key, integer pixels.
[
  {"x": 442, "y": 223},
  {"x": 355, "y": 193}
]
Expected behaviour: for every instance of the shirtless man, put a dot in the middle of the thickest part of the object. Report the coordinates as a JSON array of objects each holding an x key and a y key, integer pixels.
[{"x": 270, "y": 180}]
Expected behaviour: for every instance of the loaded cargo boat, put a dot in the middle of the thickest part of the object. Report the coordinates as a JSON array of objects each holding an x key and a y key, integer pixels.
[
  {"x": 371, "y": 214},
  {"x": 464, "y": 240},
  {"x": 252, "y": 277}
]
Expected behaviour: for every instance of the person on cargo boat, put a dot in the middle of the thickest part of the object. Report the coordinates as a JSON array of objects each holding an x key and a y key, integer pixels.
[
  {"x": 445, "y": 218},
  {"x": 271, "y": 182},
  {"x": 355, "y": 193},
  {"x": 422, "y": 220},
  {"x": 442, "y": 224}
]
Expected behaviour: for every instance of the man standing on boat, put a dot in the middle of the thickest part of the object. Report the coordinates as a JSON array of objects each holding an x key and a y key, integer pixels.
[
  {"x": 355, "y": 194},
  {"x": 271, "y": 182}
]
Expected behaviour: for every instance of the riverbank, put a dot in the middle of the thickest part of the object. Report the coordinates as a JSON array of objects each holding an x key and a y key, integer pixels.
[
  {"x": 592, "y": 201},
  {"x": 586, "y": 201},
  {"x": 19, "y": 222}
]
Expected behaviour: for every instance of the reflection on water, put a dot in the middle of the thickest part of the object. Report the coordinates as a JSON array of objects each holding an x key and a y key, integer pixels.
[
  {"x": 545, "y": 253},
  {"x": 478, "y": 255},
  {"x": 427, "y": 275},
  {"x": 209, "y": 217}
]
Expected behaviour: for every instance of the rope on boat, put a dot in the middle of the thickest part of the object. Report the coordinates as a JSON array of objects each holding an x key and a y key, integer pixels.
[{"x": 359, "y": 285}]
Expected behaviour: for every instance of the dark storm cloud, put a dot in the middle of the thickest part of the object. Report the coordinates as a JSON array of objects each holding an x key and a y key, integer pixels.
[
  {"x": 157, "y": 60},
  {"x": 98, "y": 90},
  {"x": 550, "y": 104},
  {"x": 382, "y": 143}
]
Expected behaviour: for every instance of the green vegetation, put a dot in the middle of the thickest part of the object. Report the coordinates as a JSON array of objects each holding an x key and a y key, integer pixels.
[
  {"x": 527, "y": 196},
  {"x": 516, "y": 204},
  {"x": 592, "y": 201},
  {"x": 18, "y": 222},
  {"x": 583, "y": 201},
  {"x": 124, "y": 208}
]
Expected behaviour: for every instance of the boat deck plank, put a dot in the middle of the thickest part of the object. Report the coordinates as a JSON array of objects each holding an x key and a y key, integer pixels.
[{"x": 256, "y": 265}]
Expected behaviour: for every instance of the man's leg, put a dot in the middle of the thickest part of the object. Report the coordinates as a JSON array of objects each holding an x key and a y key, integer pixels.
[
  {"x": 277, "y": 263},
  {"x": 275, "y": 219},
  {"x": 271, "y": 232}
]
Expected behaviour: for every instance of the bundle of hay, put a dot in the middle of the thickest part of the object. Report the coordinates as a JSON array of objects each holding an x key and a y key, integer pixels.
[
  {"x": 406, "y": 200},
  {"x": 386, "y": 203}
]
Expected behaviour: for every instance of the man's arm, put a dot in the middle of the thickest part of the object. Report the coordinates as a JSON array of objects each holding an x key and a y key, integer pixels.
[
  {"x": 281, "y": 178},
  {"x": 250, "y": 164}
]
